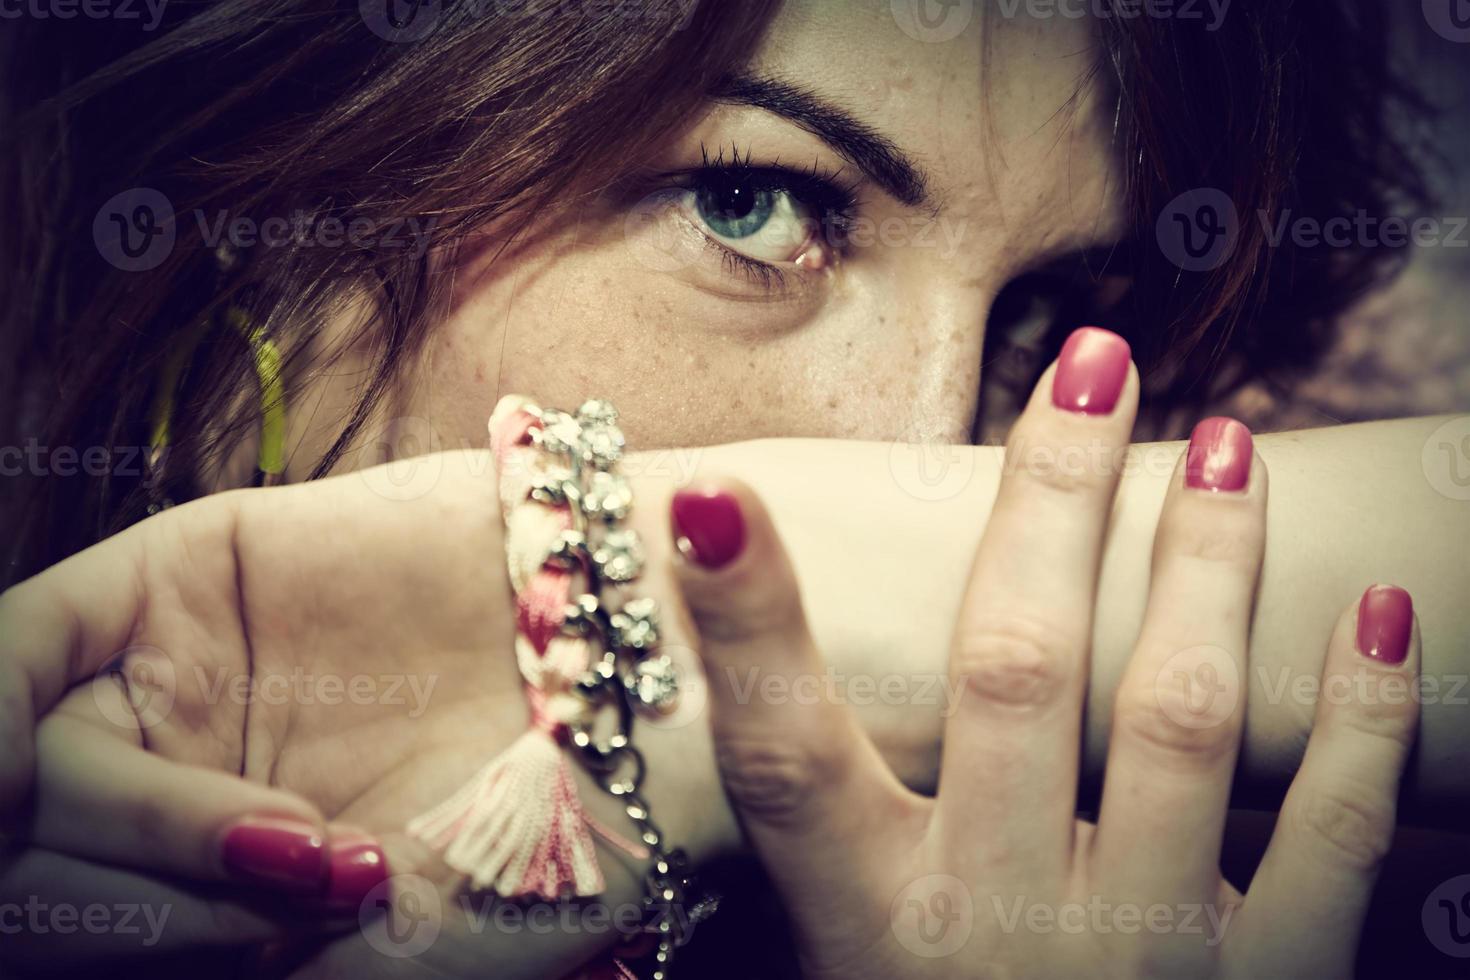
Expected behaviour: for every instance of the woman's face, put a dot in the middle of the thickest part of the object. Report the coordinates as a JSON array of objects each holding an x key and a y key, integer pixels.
[{"x": 844, "y": 297}]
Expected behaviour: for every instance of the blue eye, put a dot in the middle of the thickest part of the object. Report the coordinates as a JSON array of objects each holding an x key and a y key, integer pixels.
[
  {"x": 756, "y": 220},
  {"x": 734, "y": 210}
]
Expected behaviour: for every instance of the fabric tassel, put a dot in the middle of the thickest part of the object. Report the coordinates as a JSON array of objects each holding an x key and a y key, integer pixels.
[{"x": 517, "y": 826}]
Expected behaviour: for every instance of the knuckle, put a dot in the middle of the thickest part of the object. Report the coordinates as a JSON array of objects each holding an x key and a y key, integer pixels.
[
  {"x": 1058, "y": 470},
  {"x": 772, "y": 779},
  {"x": 1389, "y": 725},
  {"x": 1151, "y": 716},
  {"x": 1014, "y": 661},
  {"x": 1354, "y": 830},
  {"x": 1218, "y": 540},
  {"x": 1381, "y": 708}
]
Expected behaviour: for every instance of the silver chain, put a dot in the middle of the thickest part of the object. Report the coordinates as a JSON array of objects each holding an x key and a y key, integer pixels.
[{"x": 630, "y": 676}]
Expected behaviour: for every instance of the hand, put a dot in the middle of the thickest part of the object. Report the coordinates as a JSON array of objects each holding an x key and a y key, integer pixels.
[
  {"x": 995, "y": 877},
  {"x": 334, "y": 646}
]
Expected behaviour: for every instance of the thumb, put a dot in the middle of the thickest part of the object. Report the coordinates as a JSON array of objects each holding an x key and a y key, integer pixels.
[{"x": 808, "y": 785}]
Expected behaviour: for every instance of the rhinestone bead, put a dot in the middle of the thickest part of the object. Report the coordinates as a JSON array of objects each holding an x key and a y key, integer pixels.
[
  {"x": 607, "y": 496},
  {"x": 581, "y": 615},
  {"x": 602, "y": 445},
  {"x": 619, "y": 556},
  {"x": 559, "y": 432},
  {"x": 654, "y": 683},
  {"x": 596, "y": 410},
  {"x": 635, "y": 626}
]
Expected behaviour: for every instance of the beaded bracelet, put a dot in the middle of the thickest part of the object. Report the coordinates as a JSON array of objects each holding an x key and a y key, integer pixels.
[{"x": 518, "y": 827}]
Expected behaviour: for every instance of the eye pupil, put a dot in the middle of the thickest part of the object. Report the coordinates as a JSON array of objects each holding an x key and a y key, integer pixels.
[{"x": 733, "y": 202}]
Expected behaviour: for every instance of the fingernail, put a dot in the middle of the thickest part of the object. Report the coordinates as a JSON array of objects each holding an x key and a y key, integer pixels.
[
  {"x": 1220, "y": 452},
  {"x": 1385, "y": 621},
  {"x": 1091, "y": 371},
  {"x": 708, "y": 527},
  {"x": 357, "y": 867},
  {"x": 276, "y": 851}
]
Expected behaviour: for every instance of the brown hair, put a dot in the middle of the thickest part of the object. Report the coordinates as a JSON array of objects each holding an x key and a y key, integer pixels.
[
  {"x": 1284, "y": 109},
  {"x": 292, "y": 107},
  {"x": 273, "y": 107}
]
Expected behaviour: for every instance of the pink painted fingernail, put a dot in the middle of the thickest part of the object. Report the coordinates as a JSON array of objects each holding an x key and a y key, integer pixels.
[
  {"x": 708, "y": 526},
  {"x": 1091, "y": 372},
  {"x": 1385, "y": 622},
  {"x": 1220, "y": 452},
  {"x": 358, "y": 865},
  {"x": 277, "y": 852}
]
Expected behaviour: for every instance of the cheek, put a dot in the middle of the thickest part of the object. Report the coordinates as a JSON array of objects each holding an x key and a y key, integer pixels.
[{"x": 565, "y": 327}]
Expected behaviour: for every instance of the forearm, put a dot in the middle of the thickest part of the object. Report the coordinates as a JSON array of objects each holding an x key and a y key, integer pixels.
[{"x": 883, "y": 548}]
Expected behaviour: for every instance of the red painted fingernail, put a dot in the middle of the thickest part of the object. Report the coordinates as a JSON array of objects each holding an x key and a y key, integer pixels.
[
  {"x": 708, "y": 526},
  {"x": 1385, "y": 621},
  {"x": 357, "y": 867},
  {"x": 1220, "y": 452},
  {"x": 1091, "y": 371},
  {"x": 276, "y": 851}
]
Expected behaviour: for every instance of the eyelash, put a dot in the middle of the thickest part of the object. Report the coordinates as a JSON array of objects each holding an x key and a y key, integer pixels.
[{"x": 833, "y": 200}]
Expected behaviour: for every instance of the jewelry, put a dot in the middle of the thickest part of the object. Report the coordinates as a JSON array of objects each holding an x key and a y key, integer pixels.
[{"x": 589, "y": 666}]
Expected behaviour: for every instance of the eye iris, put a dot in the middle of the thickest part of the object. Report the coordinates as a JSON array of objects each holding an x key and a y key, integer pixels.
[{"x": 734, "y": 210}]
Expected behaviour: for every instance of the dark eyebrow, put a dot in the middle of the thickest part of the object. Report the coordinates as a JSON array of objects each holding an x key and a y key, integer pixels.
[{"x": 856, "y": 142}]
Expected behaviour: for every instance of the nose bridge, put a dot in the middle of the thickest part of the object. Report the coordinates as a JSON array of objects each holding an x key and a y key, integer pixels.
[{"x": 946, "y": 320}]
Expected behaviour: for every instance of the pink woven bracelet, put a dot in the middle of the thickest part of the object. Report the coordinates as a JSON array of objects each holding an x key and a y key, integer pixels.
[{"x": 518, "y": 827}]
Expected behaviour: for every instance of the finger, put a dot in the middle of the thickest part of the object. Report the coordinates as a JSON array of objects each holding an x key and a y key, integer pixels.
[
  {"x": 1337, "y": 822},
  {"x": 101, "y": 798},
  {"x": 61, "y": 912},
  {"x": 810, "y": 788},
  {"x": 1177, "y": 717},
  {"x": 62, "y": 626},
  {"x": 1019, "y": 660}
]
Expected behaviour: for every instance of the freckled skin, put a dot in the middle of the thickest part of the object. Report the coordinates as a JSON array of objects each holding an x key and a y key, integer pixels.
[{"x": 886, "y": 340}]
